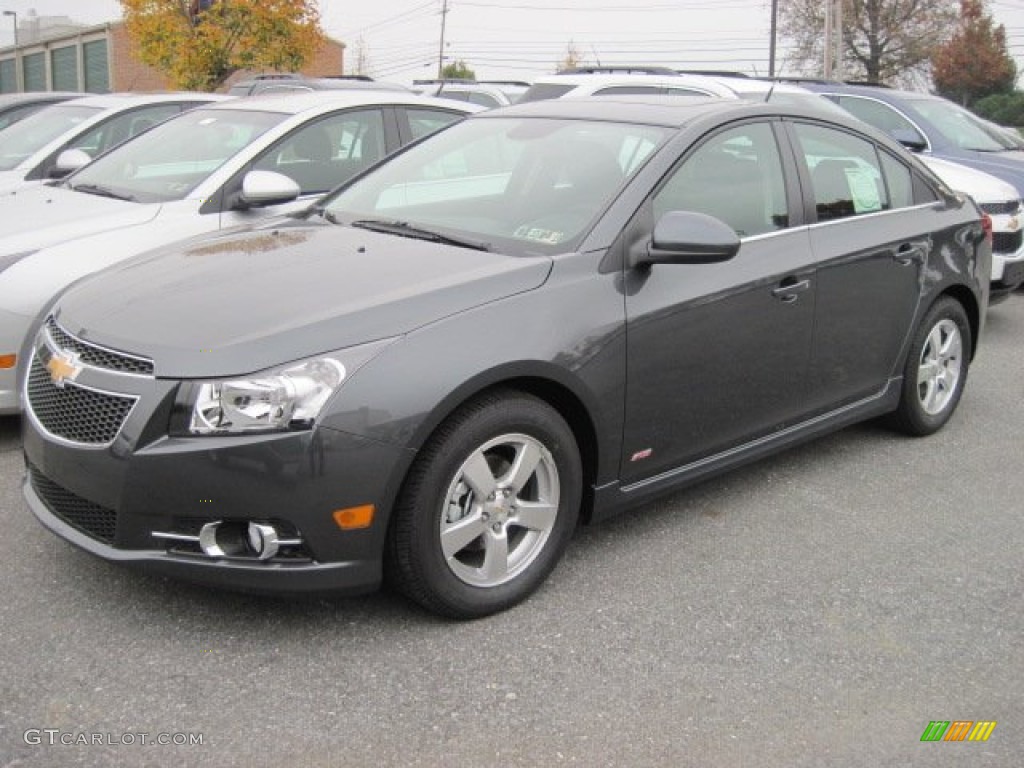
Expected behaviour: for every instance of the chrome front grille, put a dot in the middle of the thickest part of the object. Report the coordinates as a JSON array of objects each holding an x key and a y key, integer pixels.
[
  {"x": 96, "y": 356},
  {"x": 72, "y": 412},
  {"x": 92, "y": 519}
]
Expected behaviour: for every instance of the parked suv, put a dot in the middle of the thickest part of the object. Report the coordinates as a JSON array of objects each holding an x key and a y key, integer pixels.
[
  {"x": 622, "y": 81},
  {"x": 486, "y": 93}
]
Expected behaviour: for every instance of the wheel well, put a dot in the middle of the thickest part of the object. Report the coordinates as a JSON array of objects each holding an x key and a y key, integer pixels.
[
  {"x": 575, "y": 413},
  {"x": 963, "y": 295}
]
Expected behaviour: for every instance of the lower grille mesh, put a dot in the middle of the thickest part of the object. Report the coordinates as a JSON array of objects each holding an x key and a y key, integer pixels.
[{"x": 91, "y": 519}]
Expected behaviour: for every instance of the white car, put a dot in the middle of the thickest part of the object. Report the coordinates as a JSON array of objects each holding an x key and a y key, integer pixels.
[
  {"x": 29, "y": 149},
  {"x": 1001, "y": 201},
  {"x": 214, "y": 167},
  {"x": 623, "y": 81}
]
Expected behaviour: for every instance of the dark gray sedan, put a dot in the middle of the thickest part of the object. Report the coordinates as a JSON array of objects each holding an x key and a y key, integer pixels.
[{"x": 544, "y": 314}]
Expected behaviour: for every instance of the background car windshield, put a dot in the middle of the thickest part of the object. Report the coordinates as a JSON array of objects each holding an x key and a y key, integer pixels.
[
  {"x": 534, "y": 183},
  {"x": 170, "y": 160},
  {"x": 957, "y": 125},
  {"x": 28, "y": 136}
]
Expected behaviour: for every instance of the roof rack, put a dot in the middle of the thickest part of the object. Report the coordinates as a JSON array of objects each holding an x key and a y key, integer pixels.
[
  {"x": 523, "y": 83},
  {"x": 444, "y": 81},
  {"x": 277, "y": 76},
  {"x": 867, "y": 82},
  {"x": 360, "y": 78},
  {"x": 619, "y": 69},
  {"x": 713, "y": 73}
]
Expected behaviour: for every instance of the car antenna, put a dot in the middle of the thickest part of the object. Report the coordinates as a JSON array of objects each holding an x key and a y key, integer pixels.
[{"x": 768, "y": 96}]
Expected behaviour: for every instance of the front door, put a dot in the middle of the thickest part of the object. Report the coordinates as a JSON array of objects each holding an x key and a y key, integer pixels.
[{"x": 718, "y": 353}]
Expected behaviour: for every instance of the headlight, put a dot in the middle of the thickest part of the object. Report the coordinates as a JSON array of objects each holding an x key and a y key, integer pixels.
[{"x": 287, "y": 398}]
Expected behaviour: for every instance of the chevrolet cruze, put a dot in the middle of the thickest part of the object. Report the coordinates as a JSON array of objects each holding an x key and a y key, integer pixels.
[{"x": 547, "y": 313}]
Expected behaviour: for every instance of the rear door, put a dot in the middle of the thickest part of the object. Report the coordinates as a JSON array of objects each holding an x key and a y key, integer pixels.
[{"x": 871, "y": 243}]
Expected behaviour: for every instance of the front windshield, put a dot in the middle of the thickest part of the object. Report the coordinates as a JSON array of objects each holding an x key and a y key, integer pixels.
[
  {"x": 528, "y": 185},
  {"x": 168, "y": 161},
  {"x": 957, "y": 125},
  {"x": 26, "y": 137}
]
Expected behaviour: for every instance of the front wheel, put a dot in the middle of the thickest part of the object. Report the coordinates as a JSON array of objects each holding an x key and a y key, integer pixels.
[
  {"x": 936, "y": 369},
  {"x": 488, "y": 507}
]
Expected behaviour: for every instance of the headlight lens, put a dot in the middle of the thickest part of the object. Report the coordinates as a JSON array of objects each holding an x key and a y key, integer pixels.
[{"x": 289, "y": 398}]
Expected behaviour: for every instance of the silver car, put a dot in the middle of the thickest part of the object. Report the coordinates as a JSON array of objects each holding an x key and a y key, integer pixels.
[{"x": 209, "y": 169}]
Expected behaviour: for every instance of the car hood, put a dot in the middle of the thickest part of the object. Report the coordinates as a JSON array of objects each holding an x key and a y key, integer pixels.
[
  {"x": 40, "y": 216},
  {"x": 233, "y": 304},
  {"x": 1008, "y": 166},
  {"x": 982, "y": 186}
]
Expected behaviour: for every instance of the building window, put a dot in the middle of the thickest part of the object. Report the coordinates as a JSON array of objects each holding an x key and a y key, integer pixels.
[
  {"x": 8, "y": 76},
  {"x": 97, "y": 73},
  {"x": 64, "y": 68},
  {"x": 35, "y": 72}
]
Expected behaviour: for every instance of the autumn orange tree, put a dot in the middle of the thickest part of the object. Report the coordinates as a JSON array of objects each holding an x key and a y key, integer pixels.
[
  {"x": 975, "y": 62},
  {"x": 198, "y": 44}
]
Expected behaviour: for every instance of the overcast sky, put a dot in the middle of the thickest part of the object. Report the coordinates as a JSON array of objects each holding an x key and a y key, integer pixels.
[{"x": 521, "y": 39}]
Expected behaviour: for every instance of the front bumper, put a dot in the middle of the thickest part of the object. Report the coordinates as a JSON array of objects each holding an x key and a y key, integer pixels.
[{"x": 112, "y": 495}]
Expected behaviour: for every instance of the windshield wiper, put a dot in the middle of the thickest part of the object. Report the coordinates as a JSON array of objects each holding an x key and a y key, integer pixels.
[
  {"x": 404, "y": 229},
  {"x": 96, "y": 189}
]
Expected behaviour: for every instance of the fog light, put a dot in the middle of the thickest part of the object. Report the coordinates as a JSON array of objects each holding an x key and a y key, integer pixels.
[
  {"x": 263, "y": 540},
  {"x": 220, "y": 540}
]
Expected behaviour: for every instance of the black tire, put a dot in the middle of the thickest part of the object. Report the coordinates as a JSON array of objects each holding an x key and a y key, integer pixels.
[
  {"x": 942, "y": 343},
  {"x": 439, "y": 499}
]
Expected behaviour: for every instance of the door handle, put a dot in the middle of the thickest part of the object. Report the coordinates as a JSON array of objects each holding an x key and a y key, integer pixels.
[
  {"x": 909, "y": 253},
  {"x": 790, "y": 289}
]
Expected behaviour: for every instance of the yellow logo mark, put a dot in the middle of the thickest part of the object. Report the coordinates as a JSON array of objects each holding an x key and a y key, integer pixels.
[{"x": 63, "y": 368}]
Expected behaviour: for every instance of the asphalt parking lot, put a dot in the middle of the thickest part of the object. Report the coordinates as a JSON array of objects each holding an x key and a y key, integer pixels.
[{"x": 816, "y": 609}]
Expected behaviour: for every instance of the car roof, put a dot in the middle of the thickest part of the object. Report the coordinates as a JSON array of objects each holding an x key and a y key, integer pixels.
[
  {"x": 36, "y": 97},
  {"x": 613, "y": 79},
  {"x": 125, "y": 100},
  {"x": 669, "y": 111},
  {"x": 880, "y": 92},
  {"x": 294, "y": 103}
]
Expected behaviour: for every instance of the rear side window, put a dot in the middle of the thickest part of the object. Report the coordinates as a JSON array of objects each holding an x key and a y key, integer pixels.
[
  {"x": 846, "y": 179},
  {"x": 899, "y": 180},
  {"x": 542, "y": 91},
  {"x": 423, "y": 122}
]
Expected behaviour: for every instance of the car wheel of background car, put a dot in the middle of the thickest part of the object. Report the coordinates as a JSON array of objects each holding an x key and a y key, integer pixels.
[
  {"x": 936, "y": 369},
  {"x": 488, "y": 507}
]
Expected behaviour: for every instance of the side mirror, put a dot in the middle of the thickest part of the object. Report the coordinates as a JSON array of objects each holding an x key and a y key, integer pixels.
[
  {"x": 260, "y": 188},
  {"x": 69, "y": 161},
  {"x": 685, "y": 237},
  {"x": 910, "y": 139}
]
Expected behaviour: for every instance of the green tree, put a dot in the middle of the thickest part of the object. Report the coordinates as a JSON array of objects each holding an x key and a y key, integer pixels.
[
  {"x": 457, "y": 70},
  {"x": 883, "y": 40},
  {"x": 198, "y": 44},
  {"x": 975, "y": 62}
]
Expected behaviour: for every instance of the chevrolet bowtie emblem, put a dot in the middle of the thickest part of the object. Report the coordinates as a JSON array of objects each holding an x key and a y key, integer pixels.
[{"x": 63, "y": 367}]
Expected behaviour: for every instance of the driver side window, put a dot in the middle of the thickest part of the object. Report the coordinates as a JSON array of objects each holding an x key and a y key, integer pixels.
[{"x": 735, "y": 176}]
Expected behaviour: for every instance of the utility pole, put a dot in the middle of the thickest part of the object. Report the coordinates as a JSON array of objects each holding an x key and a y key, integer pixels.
[
  {"x": 837, "y": 39},
  {"x": 440, "y": 51},
  {"x": 827, "y": 63},
  {"x": 771, "y": 44}
]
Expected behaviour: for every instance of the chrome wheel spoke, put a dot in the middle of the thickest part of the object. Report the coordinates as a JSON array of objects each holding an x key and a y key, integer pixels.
[
  {"x": 495, "y": 565},
  {"x": 478, "y": 475},
  {"x": 457, "y": 536},
  {"x": 535, "y": 515},
  {"x": 528, "y": 456},
  {"x": 938, "y": 372}
]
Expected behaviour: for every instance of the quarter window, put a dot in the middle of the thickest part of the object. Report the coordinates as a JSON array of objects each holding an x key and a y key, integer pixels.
[
  {"x": 736, "y": 176},
  {"x": 846, "y": 179}
]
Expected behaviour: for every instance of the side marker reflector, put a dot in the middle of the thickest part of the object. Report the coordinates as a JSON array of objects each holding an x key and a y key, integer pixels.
[
  {"x": 354, "y": 517},
  {"x": 8, "y": 361}
]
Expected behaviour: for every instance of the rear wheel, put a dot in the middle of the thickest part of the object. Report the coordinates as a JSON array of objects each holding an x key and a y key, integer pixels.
[
  {"x": 936, "y": 369},
  {"x": 488, "y": 508}
]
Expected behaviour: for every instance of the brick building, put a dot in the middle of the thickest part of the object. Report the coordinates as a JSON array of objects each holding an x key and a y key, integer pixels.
[{"x": 102, "y": 59}]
